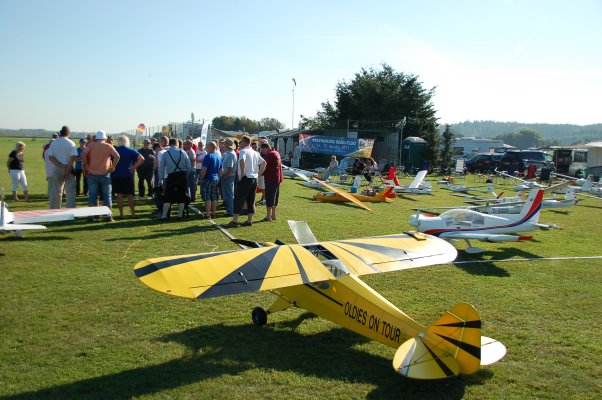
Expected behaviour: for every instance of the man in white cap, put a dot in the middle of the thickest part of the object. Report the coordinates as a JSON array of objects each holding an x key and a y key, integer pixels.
[
  {"x": 62, "y": 153},
  {"x": 99, "y": 160}
]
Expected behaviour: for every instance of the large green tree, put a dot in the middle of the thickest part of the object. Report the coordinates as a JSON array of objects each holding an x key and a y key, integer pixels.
[{"x": 381, "y": 97}]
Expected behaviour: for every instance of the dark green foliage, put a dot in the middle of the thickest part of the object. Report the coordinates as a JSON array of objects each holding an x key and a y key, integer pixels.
[
  {"x": 382, "y": 95},
  {"x": 232, "y": 123},
  {"x": 447, "y": 146}
]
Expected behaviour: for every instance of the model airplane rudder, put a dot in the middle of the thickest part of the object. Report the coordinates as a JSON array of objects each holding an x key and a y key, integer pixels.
[
  {"x": 453, "y": 345},
  {"x": 532, "y": 206}
]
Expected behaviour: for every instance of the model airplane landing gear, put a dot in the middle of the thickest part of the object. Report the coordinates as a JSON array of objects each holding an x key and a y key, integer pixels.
[
  {"x": 259, "y": 316},
  {"x": 472, "y": 249}
]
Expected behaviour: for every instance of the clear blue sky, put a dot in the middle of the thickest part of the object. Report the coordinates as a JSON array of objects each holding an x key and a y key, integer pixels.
[{"x": 113, "y": 64}]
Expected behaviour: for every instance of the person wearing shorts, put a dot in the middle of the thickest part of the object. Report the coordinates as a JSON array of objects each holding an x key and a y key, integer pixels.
[
  {"x": 16, "y": 171},
  {"x": 273, "y": 179},
  {"x": 122, "y": 179},
  {"x": 210, "y": 174},
  {"x": 99, "y": 160}
]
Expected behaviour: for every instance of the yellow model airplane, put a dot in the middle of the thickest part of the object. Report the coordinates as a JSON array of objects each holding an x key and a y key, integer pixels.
[
  {"x": 323, "y": 278},
  {"x": 340, "y": 196}
]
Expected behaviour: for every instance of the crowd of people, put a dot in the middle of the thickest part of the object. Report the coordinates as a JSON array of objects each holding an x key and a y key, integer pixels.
[{"x": 169, "y": 172}]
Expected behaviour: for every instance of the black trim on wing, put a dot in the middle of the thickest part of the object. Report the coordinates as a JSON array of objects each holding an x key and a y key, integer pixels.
[
  {"x": 150, "y": 268},
  {"x": 246, "y": 278}
]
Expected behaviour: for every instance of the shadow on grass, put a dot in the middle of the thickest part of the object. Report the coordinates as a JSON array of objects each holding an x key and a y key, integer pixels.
[
  {"x": 563, "y": 212},
  {"x": 45, "y": 238},
  {"x": 167, "y": 229},
  {"x": 587, "y": 206},
  {"x": 490, "y": 268},
  {"x": 218, "y": 350}
]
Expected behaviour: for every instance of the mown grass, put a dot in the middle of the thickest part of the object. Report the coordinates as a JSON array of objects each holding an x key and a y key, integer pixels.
[{"x": 76, "y": 323}]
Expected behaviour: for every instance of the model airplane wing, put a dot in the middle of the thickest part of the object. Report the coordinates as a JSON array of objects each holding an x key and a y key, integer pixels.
[
  {"x": 65, "y": 214},
  {"x": 390, "y": 253},
  {"x": 21, "y": 227},
  {"x": 344, "y": 194},
  {"x": 232, "y": 272},
  {"x": 270, "y": 268}
]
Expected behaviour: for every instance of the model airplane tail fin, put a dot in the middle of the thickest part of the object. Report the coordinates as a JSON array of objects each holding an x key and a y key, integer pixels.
[
  {"x": 587, "y": 185},
  {"x": 453, "y": 345},
  {"x": 532, "y": 206}
]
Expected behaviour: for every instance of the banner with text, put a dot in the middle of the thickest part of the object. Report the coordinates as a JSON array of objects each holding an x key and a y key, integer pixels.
[{"x": 333, "y": 145}]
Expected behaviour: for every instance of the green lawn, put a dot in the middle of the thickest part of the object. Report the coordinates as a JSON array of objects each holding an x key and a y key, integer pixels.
[{"x": 76, "y": 323}]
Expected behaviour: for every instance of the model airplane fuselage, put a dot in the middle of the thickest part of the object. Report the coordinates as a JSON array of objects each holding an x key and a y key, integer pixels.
[
  {"x": 323, "y": 278},
  {"x": 472, "y": 225},
  {"x": 380, "y": 197}
]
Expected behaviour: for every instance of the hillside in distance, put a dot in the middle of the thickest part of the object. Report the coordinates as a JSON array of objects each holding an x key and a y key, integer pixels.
[{"x": 566, "y": 134}]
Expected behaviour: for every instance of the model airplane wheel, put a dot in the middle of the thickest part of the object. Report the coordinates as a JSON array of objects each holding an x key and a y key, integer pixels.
[{"x": 259, "y": 316}]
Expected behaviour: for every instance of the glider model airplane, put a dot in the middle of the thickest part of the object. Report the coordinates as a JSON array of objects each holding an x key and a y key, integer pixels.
[
  {"x": 25, "y": 220},
  {"x": 585, "y": 187},
  {"x": 523, "y": 185},
  {"x": 296, "y": 172},
  {"x": 323, "y": 278},
  {"x": 336, "y": 195},
  {"x": 461, "y": 188},
  {"x": 470, "y": 225}
]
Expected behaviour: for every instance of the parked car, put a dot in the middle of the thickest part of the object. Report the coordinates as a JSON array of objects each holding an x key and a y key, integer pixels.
[
  {"x": 484, "y": 162},
  {"x": 519, "y": 160}
]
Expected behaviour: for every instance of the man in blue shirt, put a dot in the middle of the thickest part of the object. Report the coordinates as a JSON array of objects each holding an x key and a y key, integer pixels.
[
  {"x": 210, "y": 174},
  {"x": 122, "y": 179}
]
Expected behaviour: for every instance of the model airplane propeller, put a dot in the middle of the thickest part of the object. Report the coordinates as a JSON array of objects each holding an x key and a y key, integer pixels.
[
  {"x": 470, "y": 225},
  {"x": 324, "y": 278}
]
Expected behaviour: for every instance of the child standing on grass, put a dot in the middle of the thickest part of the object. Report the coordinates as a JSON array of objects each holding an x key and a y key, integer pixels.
[{"x": 16, "y": 171}]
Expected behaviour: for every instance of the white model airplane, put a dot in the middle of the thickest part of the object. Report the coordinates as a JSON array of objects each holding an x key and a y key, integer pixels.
[
  {"x": 470, "y": 225},
  {"x": 299, "y": 173},
  {"x": 507, "y": 207},
  {"x": 461, "y": 188},
  {"x": 418, "y": 185},
  {"x": 26, "y": 220},
  {"x": 586, "y": 189},
  {"x": 524, "y": 184}
]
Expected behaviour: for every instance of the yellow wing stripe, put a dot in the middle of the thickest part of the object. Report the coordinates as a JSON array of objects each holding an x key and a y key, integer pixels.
[{"x": 209, "y": 275}]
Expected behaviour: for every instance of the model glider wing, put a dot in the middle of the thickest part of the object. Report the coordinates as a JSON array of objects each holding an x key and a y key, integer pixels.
[
  {"x": 344, "y": 194},
  {"x": 21, "y": 227},
  {"x": 65, "y": 214},
  {"x": 232, "y": 272},
  {"x": 391, "y": 253}
]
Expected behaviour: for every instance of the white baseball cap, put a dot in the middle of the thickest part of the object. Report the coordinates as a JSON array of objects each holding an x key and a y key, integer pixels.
[{"x": 101, "y": 135}]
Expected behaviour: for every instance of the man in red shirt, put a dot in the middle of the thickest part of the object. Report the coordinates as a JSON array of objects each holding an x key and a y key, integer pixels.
[{"x": 273, "y": 179}]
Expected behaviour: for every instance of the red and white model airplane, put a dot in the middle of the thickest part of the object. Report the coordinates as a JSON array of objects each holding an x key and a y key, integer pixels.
[
  {"x": 418, "y": 185},
  {"x": 26, "y": 220},
  {"x": 470, "y": 225}
]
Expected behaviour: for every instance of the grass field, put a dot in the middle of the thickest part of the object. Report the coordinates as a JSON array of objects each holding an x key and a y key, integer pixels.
[{"x": 76, "y": 323}]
